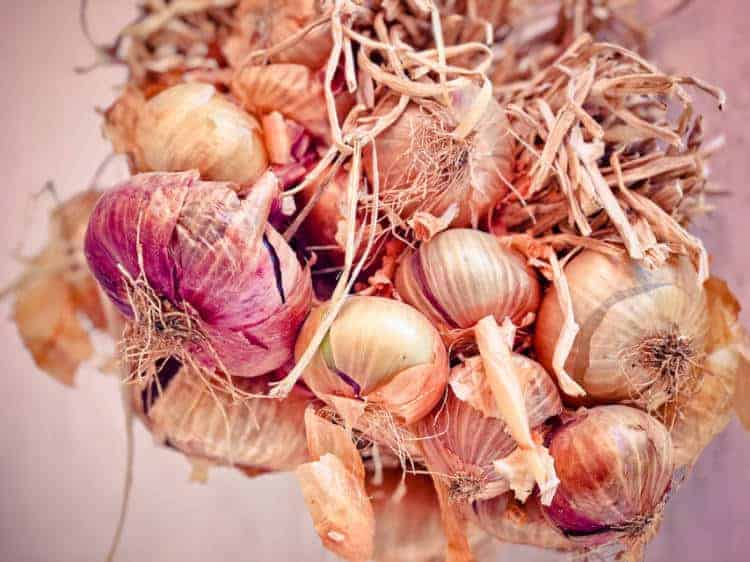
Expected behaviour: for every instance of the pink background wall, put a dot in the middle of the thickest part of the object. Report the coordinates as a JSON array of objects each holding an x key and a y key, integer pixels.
[{"x": 62, "y": 451}]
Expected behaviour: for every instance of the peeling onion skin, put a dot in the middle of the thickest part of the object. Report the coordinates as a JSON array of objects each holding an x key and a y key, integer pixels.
[
  {"x": 186, "y": 127},
  {"x": 615, "y": 465},
  {"x": 463, "y": 275},
  {"x": 512, "y": 522},
  {"x": 380, "y": 351},
  {"x": 461, "y": 442},
  {"x": 471, "y": 173},
  {"x": 266, "y": 435},
  {"x": 204, "y": 248},
  {"x": 620, "y": 305}
]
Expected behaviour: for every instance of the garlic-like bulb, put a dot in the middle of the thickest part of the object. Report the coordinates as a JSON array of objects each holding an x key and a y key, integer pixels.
[
  {"x": 463, "y": 438},
  {"x": 258, "y": 433},
  {"x": 463, "y": 275},
  {"x": 186, "y": 127},
  {"x": 199, "y": 272},
  {"x": 379, "y": 352},
  {"x": 615, "y": 465},
  {"x": 263, "y": 24},
  {"x": 642, "y": 332},
  {"x": 515, "y": 523},
  {"x": 434, "y": 157}
]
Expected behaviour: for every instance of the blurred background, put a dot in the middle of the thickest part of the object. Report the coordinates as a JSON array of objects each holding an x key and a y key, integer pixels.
[{"x": 62, "y": 451}]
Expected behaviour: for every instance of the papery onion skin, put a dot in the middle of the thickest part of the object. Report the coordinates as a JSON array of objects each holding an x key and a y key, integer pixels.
[
  {"x": 615, "y": 465},
  {"x": 381, "y": 351},
  {"x": 461, "y": 442},
  {"x": 632, "y": 320},
  {"x": 512, "y": 522},
  {"x": 263, "y": 24},
  {"x": 463, "y": 275},
  {"x": 186, "y": 127},
  {"x": 293, "y": 90},
  {"x": 424, "y": 167},
  {"x": 694, "y": 420},
  {"x": 265, "y": 435},
  {"x": 205, "y": 253}
]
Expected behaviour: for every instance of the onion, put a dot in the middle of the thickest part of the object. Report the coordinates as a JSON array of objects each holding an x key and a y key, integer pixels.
[
  {"x": 56, "y": 290},
  {"x": 291, "y": 89},
  {"x": 199, "y": 273},
  {"x": 434, "y": 157},
  {"x": 260, "y": 434},
  {"x": 615, "y": 465},
  {"x": 695, "y": 419},
  {"x": 513, "y": 522},
  {"x": 265, "y": 23},
  {"x": 186, "y": 127},
  {"x": 463, "y": 275},
  {"x": 642, "y": 331},
  {"x": 463, "y": 439},
  {"x": 378, "y": 352}
]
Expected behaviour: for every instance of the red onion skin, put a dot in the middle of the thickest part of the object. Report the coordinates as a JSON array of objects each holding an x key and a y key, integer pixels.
[
  {"x": 615, "y": 467},
  {"x": 200, "y": 246}
]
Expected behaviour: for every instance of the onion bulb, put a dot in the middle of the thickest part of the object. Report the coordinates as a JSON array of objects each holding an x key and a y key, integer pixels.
[
  {"x": 199, "y": 272},
  {"x": 378, "y": 352},
  {"x": 463, "y": 439},
  {"x": 261, "y": 434},
  {"x": 462, "y": 275},
  {"x": 262, "y": 24},
  {"x": 615, "y": 465},
  {"x": 186, "y": 127},
  {"x": 512, "y": 522},
  {"x": 642, "y": 332},
  {"x": 434, "y": 157}
]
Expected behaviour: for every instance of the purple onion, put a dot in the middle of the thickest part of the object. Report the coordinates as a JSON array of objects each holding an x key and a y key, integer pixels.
[{"x": 198, "y": 250}]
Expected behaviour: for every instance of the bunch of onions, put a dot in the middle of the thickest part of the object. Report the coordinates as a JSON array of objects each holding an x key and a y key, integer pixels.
[
  {"x": 378, "y": 353},
  {"x": 56, "y": 291},
  {"x": 262, "y": 24},
  {"x": 462, "y": 275},
  {"x": 199, "y": 272},
  {"x": 186, "y": 127},
  {"x": 256, "y": 434},
  {"x": 615, "y": 465},
  {"x": 466, "y": 436},
  {"x": 436, "y": 157},
  {"x": 513, "y": 522},
  {"x": 642, "y": 332}
]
